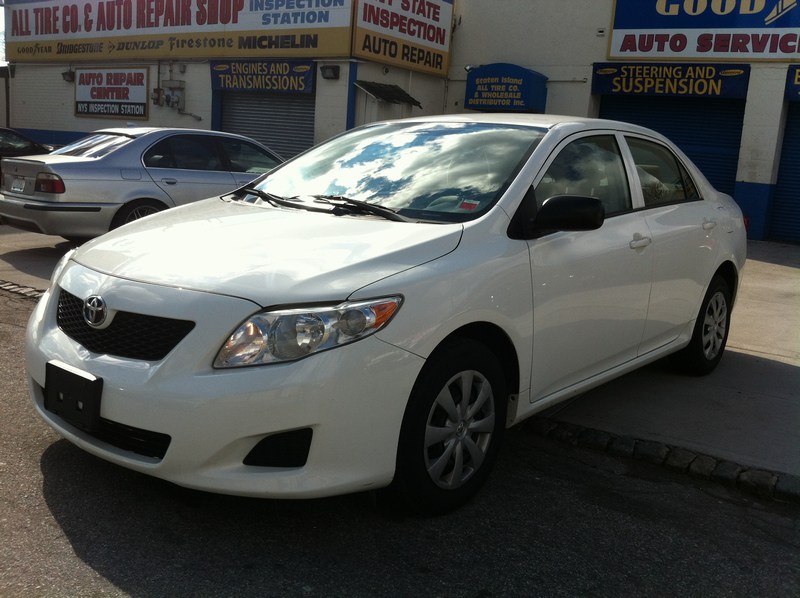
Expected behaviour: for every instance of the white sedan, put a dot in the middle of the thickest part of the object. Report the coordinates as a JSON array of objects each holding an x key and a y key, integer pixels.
[{"x": 375, "y": 312}]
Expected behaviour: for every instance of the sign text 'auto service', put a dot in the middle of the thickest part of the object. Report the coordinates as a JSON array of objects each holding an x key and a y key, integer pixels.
[
  {"x": 84, "y": 30},
  {"x": 412, "y": 34},
  {"x": 706, "y": 30},
  {"x": 111, "y": 93}
]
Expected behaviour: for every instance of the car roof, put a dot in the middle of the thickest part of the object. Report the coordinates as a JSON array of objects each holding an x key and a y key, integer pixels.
[
  {"x": 141, "y": 131},
  {"x": 542, "y": 121}
]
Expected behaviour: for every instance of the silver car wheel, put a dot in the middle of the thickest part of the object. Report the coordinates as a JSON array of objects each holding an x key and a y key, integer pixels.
[
  {"x": 459, "y": 429},
  {"x": 140, "y": 212},
  {"x": 715, "y": 325}
]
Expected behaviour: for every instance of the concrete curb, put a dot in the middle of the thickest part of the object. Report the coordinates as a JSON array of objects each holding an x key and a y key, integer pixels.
[
  {"x": 764, "y": 484},
  {"x": 781, "y": 487},
  {"x": 12, "y": 287}
]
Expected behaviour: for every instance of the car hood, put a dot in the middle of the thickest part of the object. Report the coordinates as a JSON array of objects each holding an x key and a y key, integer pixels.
[{"x": 268, "y": 255}]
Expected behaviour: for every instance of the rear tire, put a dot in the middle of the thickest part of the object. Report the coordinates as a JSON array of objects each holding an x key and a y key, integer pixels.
[
  {"x": 451, "y": 430},
  {"x": 710, "y": 335},
  {"x": 78, "y": 240},
  {"x": 134, "y": 210}
]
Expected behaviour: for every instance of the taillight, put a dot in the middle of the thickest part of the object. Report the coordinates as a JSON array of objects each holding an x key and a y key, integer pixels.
[{"x": 49, "y": 183}]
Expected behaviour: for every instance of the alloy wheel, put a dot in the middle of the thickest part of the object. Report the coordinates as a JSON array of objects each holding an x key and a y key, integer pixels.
[
  {"x": 715, "y": 325},
  {"x": 459, "y": 429}
]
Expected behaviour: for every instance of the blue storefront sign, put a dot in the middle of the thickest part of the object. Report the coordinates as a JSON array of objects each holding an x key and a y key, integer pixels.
[
  {"x": 273, "y": 76},
  {"x": 793, "y": 83},
  {"x": 706, "y": 30},
  {"x": 671, "y": 79},
  {"x": 502, "y": 87}
]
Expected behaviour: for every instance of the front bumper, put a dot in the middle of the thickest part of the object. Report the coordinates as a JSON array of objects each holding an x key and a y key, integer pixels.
[{"x": 351, "y": 398}]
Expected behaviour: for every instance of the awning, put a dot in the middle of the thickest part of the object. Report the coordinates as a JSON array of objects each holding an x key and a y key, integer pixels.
[{"x": 385, "y": 92}]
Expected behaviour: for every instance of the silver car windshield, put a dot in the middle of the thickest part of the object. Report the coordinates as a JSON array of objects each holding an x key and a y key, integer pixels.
[
  {"x": 449, "y": 172},
  {"x": 94, "y": 146}
]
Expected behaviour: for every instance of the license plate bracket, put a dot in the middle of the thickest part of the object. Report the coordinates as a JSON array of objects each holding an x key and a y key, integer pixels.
[{"x": 73, "y": 395}]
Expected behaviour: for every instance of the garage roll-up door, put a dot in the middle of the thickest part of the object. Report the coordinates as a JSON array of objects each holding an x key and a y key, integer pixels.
[
  {"x": 708, "y": 131},
  {"x": 785, "y": 218},
  {"x": 282, "y": 123}
]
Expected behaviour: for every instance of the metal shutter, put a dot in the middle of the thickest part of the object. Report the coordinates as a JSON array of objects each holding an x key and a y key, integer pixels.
[
  {"x": 784, "y": 224},
  {"x": 282, "y": 123},
  {"x": 708, "y": 131}
]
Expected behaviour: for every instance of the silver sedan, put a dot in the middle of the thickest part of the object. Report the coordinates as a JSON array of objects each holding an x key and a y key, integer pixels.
[{"x": 115, "y": 176}]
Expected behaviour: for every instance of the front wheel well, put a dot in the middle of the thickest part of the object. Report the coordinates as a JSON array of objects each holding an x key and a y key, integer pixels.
[{"x": 498, "y": 342}]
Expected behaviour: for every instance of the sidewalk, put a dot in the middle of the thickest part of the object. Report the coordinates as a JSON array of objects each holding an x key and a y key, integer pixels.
[{"x": 747, "y": 412}]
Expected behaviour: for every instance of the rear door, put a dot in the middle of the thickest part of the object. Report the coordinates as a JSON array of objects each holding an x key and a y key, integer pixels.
[
  {"x": 684, "y": 232},
  {"x": 590, "y": 288},
  {"x": 189, "y": 167}
]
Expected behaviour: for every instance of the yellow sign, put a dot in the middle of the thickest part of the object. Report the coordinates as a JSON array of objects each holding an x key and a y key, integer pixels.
[
  {"x": 89, "y": 30},
  {"x": 412, "y": 34}
]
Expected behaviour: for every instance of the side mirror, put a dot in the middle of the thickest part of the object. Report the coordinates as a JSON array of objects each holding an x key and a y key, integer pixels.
[
  {"x": 558, "y": 213},
  {"x": 570, "y": 212}
]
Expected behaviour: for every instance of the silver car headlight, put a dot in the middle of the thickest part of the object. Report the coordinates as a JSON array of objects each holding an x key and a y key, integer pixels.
[{"x": 291, "y": 334}]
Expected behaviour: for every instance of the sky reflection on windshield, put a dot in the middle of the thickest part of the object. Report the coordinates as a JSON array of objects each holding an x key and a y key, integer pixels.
[{"x": 449, "y": 168}]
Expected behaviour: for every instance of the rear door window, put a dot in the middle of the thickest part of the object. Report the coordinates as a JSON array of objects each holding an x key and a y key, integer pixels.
[
  {"x": 186, "y": 152},
  {"x": 247, "y": 157},
  {"x": 662, "y": 177}
]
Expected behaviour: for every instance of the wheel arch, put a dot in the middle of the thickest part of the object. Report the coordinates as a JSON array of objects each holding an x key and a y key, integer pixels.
[
  {"x": 727, "y": 270},
  {"x": 498, "y": 342},
  {"x": 132, "y": 202}
]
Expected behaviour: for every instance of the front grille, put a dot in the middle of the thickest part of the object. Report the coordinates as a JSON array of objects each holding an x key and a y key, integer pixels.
[{"x": 130, "y": 335}]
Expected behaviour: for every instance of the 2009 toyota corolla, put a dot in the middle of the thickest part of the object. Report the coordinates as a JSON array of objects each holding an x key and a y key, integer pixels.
[{"x": 375, "y": 312}]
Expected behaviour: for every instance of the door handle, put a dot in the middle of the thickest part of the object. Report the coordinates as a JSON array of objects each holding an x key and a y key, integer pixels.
[
  {"x": 170, "y": 181},
  {"x": 639, "y": 241},
  {"x": 709, "y": 224}
]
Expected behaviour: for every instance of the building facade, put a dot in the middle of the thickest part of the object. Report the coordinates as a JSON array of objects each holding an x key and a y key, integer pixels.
[
  {"x": 717, "y": 76},
  {"x": 289, "y": 73}
]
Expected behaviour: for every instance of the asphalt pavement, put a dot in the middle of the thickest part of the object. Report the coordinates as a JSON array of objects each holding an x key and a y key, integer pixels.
[{"x": 739, "y": 426}]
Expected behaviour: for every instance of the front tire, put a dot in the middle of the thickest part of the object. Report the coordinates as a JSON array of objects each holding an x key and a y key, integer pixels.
[
  {"x": 452, "y": 428},
  {"x": 704, "y": 351}
]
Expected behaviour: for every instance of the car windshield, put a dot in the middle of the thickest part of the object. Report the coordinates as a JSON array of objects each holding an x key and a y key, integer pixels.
[
  {"x": 448, "y": 172},
  {"x": 94, "y": 146}
]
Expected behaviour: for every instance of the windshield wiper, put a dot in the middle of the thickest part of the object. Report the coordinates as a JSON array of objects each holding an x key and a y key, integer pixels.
[
  {"x": 361, "y": 207},
  {"x": 277, "y": 200}
]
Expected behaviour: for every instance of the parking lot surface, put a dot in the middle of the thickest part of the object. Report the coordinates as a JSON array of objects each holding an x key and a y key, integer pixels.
[{"x": 555, "y": 519}]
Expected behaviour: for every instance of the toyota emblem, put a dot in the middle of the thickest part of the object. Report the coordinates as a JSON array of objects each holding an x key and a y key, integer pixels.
[{"x": 94, "y": 311}]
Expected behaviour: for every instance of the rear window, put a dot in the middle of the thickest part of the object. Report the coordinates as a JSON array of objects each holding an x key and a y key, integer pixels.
[{"x": 94, "y": 146}]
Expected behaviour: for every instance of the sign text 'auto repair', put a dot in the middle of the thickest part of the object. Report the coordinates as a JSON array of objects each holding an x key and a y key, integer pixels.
[{"x": 111, "y": 93}]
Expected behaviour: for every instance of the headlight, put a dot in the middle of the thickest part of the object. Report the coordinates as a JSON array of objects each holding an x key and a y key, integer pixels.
[{"x": 287, "y": 335}]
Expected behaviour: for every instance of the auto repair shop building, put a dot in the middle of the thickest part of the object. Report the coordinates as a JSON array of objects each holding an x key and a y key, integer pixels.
[
  {"x": 717, "y": 76},
  {"x": 289, "y": 73}
]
